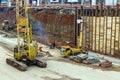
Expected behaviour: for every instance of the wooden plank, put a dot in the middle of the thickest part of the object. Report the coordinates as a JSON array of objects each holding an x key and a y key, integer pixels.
[
  {"x": 106, "y": 30},
  {"x": 84, "y": 24},
  {"x": 99, "y": 18},
  {"x": 119, "y": 30},
  {"x": 96, "y": 12},
  {"x": 92, "y": 28},
  {"x": 115, "y": 26},
  {"x": 111, "y": 29},
  {"x": 103, "y": 32}
]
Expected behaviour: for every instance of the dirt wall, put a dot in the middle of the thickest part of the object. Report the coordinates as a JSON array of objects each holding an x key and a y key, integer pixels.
[
  {"x": 7, "y": 14},
  {"x": 58, "y": 27}
]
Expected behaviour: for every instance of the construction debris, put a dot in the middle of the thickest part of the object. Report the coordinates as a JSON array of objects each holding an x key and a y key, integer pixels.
[
  {"x": 44, "y": 53},
  {"x": 106, "y": 64},
  {"x": 79, "y": 58},
  {"x": 91, "y": 61}
]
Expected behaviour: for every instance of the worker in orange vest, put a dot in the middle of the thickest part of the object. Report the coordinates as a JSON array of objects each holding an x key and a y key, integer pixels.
[
  {"x": 40, "y": 48},
  {"x": 50, "y": 44}
]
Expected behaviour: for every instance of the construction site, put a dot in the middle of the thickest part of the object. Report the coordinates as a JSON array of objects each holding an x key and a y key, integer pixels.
[{"x": 59, "y": 42}]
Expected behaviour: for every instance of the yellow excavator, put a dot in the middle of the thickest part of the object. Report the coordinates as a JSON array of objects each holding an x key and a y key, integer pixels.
[
  {"x": 76, "y": 54},
  {"x": 26, "y": 51}
]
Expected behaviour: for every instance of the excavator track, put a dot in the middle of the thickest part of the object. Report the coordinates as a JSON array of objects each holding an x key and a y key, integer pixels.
[
  {"x": 35, "y": 62},
  {"x": 41, "y": 64},
  {"x": 22, "y": 66},
  {"x": 18, "y": 65}
]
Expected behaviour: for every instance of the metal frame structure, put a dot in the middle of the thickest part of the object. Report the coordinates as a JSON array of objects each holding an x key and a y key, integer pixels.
[{"x": 22, "y": 21}]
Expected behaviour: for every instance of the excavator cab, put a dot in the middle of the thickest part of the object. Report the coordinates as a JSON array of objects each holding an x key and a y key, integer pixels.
[
  {"x": 6, "y": 22},
  {"x": 5, "y": 25},
  {"x": 65, "y": 50}
]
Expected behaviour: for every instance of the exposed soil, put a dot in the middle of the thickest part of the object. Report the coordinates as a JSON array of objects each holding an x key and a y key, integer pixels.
[
  {"x": 58, "y": 27},
  {"x": 52, "y": 17}
]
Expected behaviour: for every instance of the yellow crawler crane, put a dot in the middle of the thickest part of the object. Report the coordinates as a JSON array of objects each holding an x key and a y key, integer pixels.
[{"x": 26, "y": 51}]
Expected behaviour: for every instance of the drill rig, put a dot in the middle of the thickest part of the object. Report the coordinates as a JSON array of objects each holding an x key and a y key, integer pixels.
[
  {"x": 76, "y": 54},
  {"x": 26, "y": 50}
]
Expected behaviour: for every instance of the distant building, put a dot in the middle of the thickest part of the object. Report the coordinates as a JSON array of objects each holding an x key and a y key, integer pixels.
[
  {"x": 3, "y": 3},
  {"x": 9, "y": 3}
]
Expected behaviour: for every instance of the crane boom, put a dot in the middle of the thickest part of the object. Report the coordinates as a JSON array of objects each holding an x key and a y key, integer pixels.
[{"x": 22, "y": 22}]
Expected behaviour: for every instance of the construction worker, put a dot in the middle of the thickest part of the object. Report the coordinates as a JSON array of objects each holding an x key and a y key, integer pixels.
[
  {"x": 40, "y": 48},
  {"x": 50, "y": 44},
  {"x": 54, "y": 44}
]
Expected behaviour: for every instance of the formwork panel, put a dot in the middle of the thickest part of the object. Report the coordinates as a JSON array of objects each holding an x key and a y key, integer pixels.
[
  {"x": 101, "y": 32},
  {"x": 105, "y": 35}
]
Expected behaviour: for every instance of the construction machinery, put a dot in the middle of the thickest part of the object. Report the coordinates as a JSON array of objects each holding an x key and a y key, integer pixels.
[
  {"x": 76, "y": 54},
  {"x": 5, "y": 25},
  {"x": 26, "y": 50}
]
